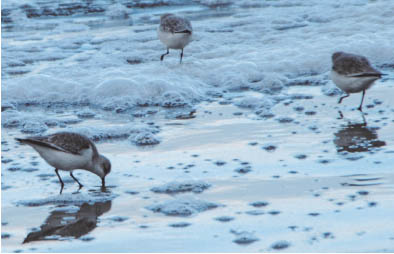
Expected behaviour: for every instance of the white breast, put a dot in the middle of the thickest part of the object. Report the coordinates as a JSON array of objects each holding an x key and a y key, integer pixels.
[
  {"x": 352, "y": 84},
  {"x": 65, "y": 161},
  {"x": 174, "y": 40}
]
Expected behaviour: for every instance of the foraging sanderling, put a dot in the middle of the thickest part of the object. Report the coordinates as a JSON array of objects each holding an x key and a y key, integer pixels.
[
  {"x": 68, "y": 151},
  {"x": 175, "y": 32},
  {"x": 353, "y": 73}
]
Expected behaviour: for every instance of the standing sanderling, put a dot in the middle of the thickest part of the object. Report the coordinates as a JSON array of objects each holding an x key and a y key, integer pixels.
[
  {"x": 353, "y": 74},
  {"x": 68, "y": 151},
  {"x": 174, "y": 32}
]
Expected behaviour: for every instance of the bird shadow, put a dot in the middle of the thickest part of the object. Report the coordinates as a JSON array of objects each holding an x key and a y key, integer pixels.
[
  {"x": 356, "y": 137},
  {"x": 73, "y": 223}
]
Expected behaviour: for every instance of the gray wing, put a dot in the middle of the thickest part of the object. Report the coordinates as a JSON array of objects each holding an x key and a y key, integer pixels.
[
  {"x": 354, "y": 66},
  {"x": 175, "y": 24},
  {"x": 63, "y": 141}
]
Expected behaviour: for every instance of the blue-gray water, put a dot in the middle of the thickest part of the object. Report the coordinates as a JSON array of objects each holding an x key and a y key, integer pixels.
[{"x": 253, "y": 152}]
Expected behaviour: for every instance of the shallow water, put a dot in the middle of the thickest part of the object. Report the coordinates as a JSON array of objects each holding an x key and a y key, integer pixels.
[{"x": 253, "y": 154}]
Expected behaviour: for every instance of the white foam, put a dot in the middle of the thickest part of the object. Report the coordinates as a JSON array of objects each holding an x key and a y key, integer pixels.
[
  {"x": 261, "y": 49},
  {"x": 185, "y": 186},
  {"x": 216, "y": 3},
  {"x": 185, "y": 206},
  {"x": 114, "y": 132},
  {"x": 144, "y": 138},
  {"x": 117, "y": 11},
  {"x": 69, "y": 199}
]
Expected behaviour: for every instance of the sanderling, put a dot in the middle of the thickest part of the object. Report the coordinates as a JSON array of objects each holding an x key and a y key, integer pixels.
[
  {"x": 353, "y": 74},
  {"x": 68, "y": 151},
  {"x": 175, "y": 32}
]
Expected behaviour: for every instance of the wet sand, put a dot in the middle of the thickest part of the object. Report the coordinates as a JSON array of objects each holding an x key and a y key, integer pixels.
[{"x": 310, "y": 182}]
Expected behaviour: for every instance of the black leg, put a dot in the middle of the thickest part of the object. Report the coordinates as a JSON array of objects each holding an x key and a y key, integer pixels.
[
  {"x": 75, "y": 179},
  {"x": 343, "y": 97},
  {"x": 340, "y": 115},
  {"x": 162, "y": 56},
  {"x": 103, "y": 188},
  {"x": 181, "y": 57},
  {"x": 364, "y": 120},
  {"x": 61, "y": 182},
  {"x": 362, "y": 100}
]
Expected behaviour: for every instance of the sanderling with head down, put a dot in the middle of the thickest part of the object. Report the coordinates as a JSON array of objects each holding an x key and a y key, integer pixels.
[
  {"x": 68, "y": 151},
  {"x": 175, "y": 32},
  {"x": 352, "y": 74}
]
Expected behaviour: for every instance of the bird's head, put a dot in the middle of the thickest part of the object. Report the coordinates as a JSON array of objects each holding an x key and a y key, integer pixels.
[
  {"x": 102, "y": 168},
  {"x": 336, "y": 55},
  {"x": 165, "y": 15}
]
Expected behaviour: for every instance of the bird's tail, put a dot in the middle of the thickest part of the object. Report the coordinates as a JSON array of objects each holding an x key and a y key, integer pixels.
[
  {"x": 186, "y": 31},
  {"x": 367, "y": 74},
  {"x": 35, "y": 142},
  {"x": 21, "y": 140},
  {"x": 30, "y": 141}
]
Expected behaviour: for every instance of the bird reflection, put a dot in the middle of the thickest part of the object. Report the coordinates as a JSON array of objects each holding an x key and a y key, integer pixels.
[
  {"x": 70, "y": 223},
  {"x": 357, "y": 137}
]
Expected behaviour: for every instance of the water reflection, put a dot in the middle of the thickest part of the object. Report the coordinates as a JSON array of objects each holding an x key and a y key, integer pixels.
[
  {"x": 357, "y": 137},
  {"x": 70, "y": 222}
]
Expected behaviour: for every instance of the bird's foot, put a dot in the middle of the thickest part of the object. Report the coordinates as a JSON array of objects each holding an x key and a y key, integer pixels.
[{"x": 61, "y": 188}]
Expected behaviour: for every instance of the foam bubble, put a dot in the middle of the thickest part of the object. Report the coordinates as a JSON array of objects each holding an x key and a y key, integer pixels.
[{"x": 185, "y": 206}]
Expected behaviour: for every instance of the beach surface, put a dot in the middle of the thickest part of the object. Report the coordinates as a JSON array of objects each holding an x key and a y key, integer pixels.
[{"x": 242, "y": 148}]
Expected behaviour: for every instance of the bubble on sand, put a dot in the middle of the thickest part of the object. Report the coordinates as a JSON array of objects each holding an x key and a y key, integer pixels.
[
  {"x": 180, "y": 224},
  {"x": 285, "y": 119},
  {"x": 224, "y": 218},
  {"x": 183, "y": 207},
  {"x": 14, "y": 168},
  {"x": 33, "y": 127},
  {"x": 328, "y": 235},
  {"x": 300, "y": 156},
  {"x": 372, "y": 204},
  {"x": 118, "y": 218},
  {"x": 173, "y": 100},
  {"x": 69, "y": 199},
  {"x": 216, "y": 3},
  {"x": 269, "y": 147},
  {"x": 5, "y": 161},
  {"x": 117, "y": 11},
  {"x": 310, "y": 113},
  {"x": 219, "y": 163},
  {"x": 244, "y": 237},
  {"x": 86, "y": 113},
  {"x": 254, "y": 103},
  {"x": 259, "y": 204},
  {"x": 363, "y": 193},
  {"x": 29, "y": 170},
  {"x": 324, "y": 161},
  {"x": 131, "y": 192},
  {"x": 5, "y": 235},
  {"x": 178, "y": 187},
  {"x": 87, "y": 238},
  {"x": 255, "y": 212},
  {"x": 243, "y": 170},
  {"x": 145, "y": 138},
  {"x": 280, "y": 245},
  {"x": 298, "y": 108},
  {"x": 274, "y": 212}
]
